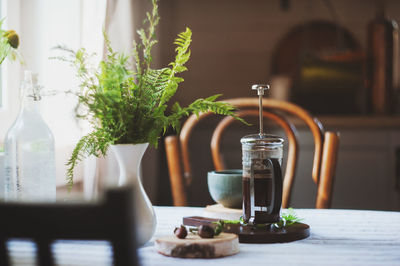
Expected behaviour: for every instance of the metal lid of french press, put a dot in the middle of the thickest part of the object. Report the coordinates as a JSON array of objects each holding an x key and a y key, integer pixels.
[
  {"x": 261, "y": 138},
  {"x": 265, "y": 139}
]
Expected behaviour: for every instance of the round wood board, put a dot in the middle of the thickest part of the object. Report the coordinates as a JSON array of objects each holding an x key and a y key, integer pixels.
[
  {"x": 249, "y": 234},
  {"x": 225, "y": 244}
]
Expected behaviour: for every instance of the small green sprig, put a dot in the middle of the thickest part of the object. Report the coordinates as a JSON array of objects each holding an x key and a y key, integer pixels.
[
  {"x": 221, "y": 223},
  {"x": 287, "y": 219}
]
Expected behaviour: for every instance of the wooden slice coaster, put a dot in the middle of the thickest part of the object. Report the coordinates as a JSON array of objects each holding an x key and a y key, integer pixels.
[
  {"x": 256, "y": 234},
  {"x": 220, "y": 212},
  {"x": 193, "y": 246}
]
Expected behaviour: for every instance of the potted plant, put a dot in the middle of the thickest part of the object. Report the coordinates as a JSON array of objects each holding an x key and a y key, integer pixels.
[{"x": 129, "y": 109}]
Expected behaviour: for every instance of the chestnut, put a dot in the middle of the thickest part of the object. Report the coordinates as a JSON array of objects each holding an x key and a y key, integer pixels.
[
  {"x": 206, "y": 231},
  {"x": 180, "y": 232}
]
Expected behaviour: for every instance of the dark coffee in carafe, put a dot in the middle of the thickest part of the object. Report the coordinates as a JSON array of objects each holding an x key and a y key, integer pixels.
[
  {"x": 262, "y": 178},
  {"x": 261, "y": 198}
]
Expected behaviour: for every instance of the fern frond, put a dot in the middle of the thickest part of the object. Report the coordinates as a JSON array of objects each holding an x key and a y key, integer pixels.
[
  {"x": 183, "y": 41},
  {"x": 91, "y": 144}
]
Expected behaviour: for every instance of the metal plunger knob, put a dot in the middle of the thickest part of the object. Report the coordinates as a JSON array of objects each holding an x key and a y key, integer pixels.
[{"x": 260, "y": 88}]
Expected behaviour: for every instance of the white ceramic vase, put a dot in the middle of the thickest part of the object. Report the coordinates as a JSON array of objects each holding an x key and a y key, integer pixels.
[{"x": 129, "y": 157}]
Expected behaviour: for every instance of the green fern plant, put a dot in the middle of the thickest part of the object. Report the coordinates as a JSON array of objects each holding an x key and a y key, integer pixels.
[{"x": 126, "y": 106}]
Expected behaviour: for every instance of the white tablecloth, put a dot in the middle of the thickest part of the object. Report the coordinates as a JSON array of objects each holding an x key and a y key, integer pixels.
[{"x": 338, "y": 237}]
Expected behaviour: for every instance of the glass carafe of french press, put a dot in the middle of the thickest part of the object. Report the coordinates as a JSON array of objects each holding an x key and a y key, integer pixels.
[{"x": 262, "y": 174}]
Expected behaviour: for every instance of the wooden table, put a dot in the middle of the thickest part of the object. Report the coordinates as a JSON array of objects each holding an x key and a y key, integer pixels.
[{"x": 338, "y": 237}]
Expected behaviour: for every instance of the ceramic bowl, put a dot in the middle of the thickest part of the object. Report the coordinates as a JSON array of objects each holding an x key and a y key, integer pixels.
[{"x": 225, "y": 187}]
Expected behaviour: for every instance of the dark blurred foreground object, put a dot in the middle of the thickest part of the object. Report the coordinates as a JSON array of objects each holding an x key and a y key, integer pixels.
[
  {"x": 383, "y": 65},
  {"x": 111, "y": 219}
]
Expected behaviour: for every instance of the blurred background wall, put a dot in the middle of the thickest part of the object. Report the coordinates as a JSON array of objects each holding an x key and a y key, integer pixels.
[{"x": 234, "y": 42}]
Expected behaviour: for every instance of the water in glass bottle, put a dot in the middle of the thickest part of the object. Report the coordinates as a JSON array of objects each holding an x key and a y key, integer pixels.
[{"x": 29, "y": 151}]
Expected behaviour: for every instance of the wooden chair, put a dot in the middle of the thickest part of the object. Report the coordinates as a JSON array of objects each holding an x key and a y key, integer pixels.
[
  {"x": 325, "y": 150},
  {"x": 110, "y": 220}
]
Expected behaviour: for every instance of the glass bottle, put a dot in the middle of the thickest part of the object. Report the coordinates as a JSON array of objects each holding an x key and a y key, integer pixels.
[{"x": 29, "y": 151}]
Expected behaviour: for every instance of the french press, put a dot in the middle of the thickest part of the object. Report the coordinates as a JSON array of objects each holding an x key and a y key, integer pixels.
[{"x": 262, "y": 175}]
